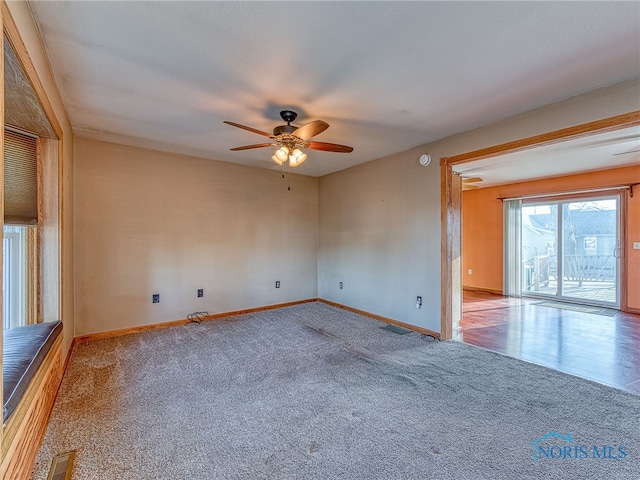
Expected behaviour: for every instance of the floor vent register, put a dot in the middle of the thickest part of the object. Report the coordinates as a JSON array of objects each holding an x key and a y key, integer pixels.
[
  {"x": 61, "y": 466},
  {"x": 395, "y": 329}
]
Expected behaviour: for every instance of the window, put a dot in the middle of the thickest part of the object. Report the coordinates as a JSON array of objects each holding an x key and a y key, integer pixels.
[
  {"x": 19, "y": 257},
  {"x": 20, "y": 231},
  {"x": 590, "y": 245}
]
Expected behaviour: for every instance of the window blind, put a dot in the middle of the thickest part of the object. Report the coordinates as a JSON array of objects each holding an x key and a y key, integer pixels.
[
  {"x": 512, "y": 248},
  {"x": 20, "y": 179}
]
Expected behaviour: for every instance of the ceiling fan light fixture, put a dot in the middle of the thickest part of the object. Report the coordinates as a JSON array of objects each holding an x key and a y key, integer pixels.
[
  {"x": 282, "y": 153},
  {"x": 297, "y": 157},
  {"x": 276, "y": 159}
]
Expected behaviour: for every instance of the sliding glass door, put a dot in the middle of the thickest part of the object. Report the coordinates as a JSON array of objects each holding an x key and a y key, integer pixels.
[
  {"x": 539, "y": 249},
  {"x": 570, "y": 249}
]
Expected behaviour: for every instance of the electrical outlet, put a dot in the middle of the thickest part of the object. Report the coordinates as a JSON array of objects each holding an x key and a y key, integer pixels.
[
  {"x": 155, "y": 298},
  {"x": 636, "y": 245},
  {"x": 470, "y": 271},
  {"x": 277, "y": 283},
  {"x": 200, "y": 292},
  {"x": 418, "y": 302},
  {"x": 341, "y": 285}
]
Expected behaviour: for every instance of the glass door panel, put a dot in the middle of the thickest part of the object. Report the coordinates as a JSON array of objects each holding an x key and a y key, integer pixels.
[
  {"x": 539, "y": 233},
  {"x": 591, "y": 244}
]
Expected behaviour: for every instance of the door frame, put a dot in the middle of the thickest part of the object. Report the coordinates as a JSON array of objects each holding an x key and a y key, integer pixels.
[{"x": 451, "y": 209}]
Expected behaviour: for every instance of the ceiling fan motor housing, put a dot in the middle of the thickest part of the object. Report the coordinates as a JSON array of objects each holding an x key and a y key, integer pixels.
[
  {"x": 279, "y": 130},
  {"x": 288, "y": 116}
]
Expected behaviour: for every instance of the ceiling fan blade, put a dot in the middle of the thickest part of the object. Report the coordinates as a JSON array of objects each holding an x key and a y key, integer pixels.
[
  {"x": 624, "y": 153},
  {"x": 311, "y": 129},
  {"x": 469, "y": 187},
  {"x": 471, "y": 180},
  {"x": 244, "y": 127},
  {"x": 259, "y": 145},
  {"x": 330, "y": 147}
]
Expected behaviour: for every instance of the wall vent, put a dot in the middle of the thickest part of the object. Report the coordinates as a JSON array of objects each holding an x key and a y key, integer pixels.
[{"x": 61, "y": 466}]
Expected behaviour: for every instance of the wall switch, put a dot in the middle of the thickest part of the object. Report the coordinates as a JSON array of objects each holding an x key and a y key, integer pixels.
[
  {"x": 341, "y": 285},
  {"x": 155, "y": 298},
  {"x": 636, "y": 245},
  {"x": 469, "y": 271},
  {"x": 200, "y": 292},
  {"x": 277, "y": 283}
]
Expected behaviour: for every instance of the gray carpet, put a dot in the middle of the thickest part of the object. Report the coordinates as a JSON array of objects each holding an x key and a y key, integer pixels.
[{"x": 314, "y": 392}]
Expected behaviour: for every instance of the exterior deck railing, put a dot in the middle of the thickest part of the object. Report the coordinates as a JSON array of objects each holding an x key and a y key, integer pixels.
[{"x": 541, "y": 269}]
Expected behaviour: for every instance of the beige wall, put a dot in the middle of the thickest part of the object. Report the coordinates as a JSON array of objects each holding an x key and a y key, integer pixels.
[
  {"x": 150, "y": 222},
  {"x": 379, "y": 225},
  {"x": 379, "y": 234},
  {"x": 22, "y": 17}
]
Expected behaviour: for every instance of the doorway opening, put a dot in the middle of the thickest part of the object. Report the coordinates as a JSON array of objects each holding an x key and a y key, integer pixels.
[{"x": 452, "y": 274}]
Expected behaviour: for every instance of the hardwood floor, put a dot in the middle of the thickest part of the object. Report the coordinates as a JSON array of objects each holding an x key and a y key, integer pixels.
[{"x": 597, "y": 347}]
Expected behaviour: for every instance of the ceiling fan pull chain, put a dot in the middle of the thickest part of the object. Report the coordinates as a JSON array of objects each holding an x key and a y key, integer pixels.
[{"x": 288, "y": 178}]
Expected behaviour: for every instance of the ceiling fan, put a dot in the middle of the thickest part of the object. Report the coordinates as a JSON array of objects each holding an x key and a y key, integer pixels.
[
  {"x": 469, "y": 183},
  {"x": 290, "y": 139},
  {"x": 625, "y": 153}
]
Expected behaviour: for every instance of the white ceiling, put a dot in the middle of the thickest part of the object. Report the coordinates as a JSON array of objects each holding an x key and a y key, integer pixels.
[{"x": 387, "y": 76}]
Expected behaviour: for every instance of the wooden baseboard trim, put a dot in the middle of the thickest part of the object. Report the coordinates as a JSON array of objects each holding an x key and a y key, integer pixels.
[
  {"x": 632, "y": 310},
  {"x": 68, "y": 356},
  {"x": 483, "y": 290},
  {"x": 155, "y": 326},
  {"x": 408, "y": 326},
  {"x": 89, "y": 337}
]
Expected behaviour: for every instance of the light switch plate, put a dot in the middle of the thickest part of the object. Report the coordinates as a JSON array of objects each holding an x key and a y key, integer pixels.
[{"x": 636, "y": 245}]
